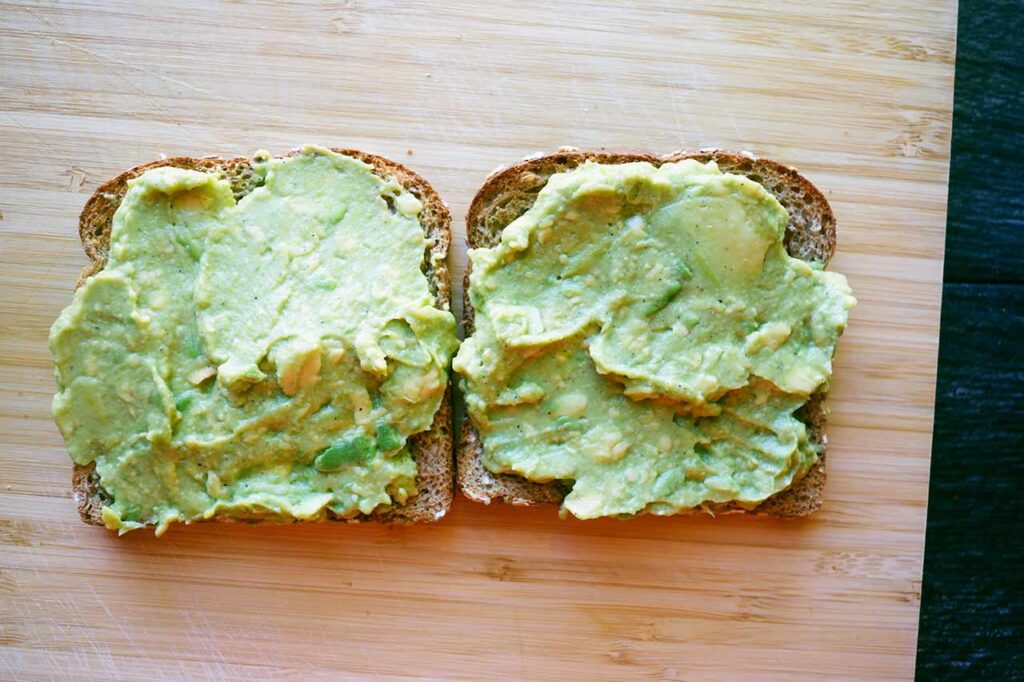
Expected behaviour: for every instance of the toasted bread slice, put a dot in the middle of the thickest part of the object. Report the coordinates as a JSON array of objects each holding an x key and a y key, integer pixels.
[
  {"x": 510, "y": 192},
  {"x": 432, "y": 449}
]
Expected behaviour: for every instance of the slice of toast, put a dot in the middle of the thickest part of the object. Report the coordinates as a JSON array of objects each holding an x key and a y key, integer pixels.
[
  {"x": 431, "y": 449},
  {"x": 508, "y": 193}
]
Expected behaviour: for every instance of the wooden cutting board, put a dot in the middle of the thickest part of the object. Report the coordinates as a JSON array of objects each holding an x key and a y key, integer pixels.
[{"x": 856, "y": 94}]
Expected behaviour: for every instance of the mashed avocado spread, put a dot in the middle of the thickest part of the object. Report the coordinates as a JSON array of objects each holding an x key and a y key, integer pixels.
[
  {"x": 265, "y": 358},
  {"x": 642, "y": 333}
]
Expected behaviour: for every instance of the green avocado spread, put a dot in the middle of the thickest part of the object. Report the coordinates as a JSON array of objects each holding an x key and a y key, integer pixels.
[
  {"x": 642, "y": 334},
  {"x": 266, "y": 358}
]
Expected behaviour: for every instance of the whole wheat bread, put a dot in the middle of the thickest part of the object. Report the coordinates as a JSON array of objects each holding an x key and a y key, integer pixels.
[
  {"x": 508, "y": 193},
  {"x": 432, "y": 449}
]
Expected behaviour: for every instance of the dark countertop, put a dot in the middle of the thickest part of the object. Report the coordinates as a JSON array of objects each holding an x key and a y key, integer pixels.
[{"x": 972, "y": 608}]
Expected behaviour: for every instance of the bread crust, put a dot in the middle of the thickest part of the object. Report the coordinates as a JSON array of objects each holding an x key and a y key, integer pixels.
[
  {"x": 431, "y": 449},
  {"x": 509, "y": 192}
]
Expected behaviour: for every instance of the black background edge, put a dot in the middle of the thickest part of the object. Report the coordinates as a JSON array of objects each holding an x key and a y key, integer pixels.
[{"x": 972, "y": 604}]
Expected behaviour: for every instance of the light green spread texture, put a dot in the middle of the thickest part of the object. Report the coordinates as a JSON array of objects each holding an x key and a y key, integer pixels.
[
  {"x": 261, "y": 359},
  {"x": 642, "y": 333}
]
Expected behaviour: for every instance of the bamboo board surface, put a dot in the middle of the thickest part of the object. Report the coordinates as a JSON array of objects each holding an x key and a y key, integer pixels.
[{"x": 857, "y": 95}]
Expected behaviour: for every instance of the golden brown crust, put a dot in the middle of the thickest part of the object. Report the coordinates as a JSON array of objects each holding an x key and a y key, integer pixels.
[
  {"x": 508, "y": 193},
  {"x": 432, "y": 449}
]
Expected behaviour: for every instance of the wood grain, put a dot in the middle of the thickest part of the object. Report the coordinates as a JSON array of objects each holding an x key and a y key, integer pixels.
[{"x": 856, "y": 94}]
